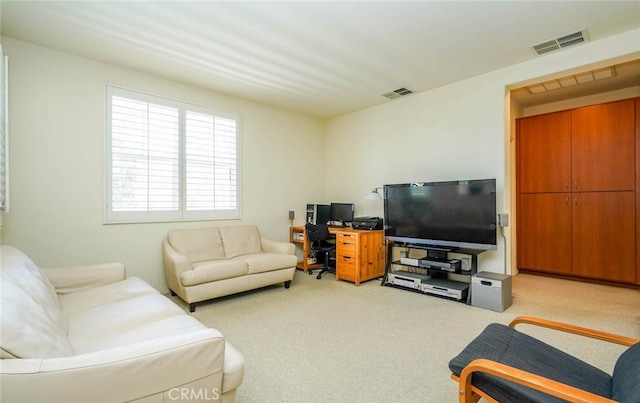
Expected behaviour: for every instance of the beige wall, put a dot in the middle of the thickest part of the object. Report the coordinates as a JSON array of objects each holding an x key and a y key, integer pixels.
[
  {"x": 453, "y": 132},
  {"x": 57, "y": 105},
  {"x": 459, "y": 131}
]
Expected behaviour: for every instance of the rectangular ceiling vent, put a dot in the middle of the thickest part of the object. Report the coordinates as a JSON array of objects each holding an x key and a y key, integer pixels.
[
  {"x": 561, "y": 42},
  {"x": 400, "y": 92}
]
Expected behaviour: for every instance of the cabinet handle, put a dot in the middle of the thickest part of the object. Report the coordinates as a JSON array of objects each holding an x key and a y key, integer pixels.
[
  {"x": 575, "y": 185},
  {"x": 576, "y": 200},
  {"x": 566, "y": 199},
  {"x": 566, "y": 185}
]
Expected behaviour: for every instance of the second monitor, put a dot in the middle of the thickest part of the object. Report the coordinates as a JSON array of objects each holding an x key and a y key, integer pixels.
[{"x": 341, "y": 214}]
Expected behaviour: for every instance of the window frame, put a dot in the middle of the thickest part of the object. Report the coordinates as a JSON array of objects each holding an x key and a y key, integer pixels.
[{"x": 181, "y": 214}]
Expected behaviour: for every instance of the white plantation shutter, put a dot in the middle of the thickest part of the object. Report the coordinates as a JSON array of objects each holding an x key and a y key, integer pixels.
[
  {"x": 211, "y": 162},
  {"x": 144, "y": 156},
  {"x": 169, "y": 160}
]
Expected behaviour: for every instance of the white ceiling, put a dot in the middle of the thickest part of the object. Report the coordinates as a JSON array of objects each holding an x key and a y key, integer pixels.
[{"x": 323, "y": 58}]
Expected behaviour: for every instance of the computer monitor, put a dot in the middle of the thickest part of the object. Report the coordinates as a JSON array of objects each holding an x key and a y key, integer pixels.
[{"x": 341, "y": 213}]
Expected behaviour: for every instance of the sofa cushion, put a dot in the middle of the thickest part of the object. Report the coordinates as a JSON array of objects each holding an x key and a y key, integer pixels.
[
  {"x": 32, "y": 325},
  {"x": 18, "y": 269},
  {"x": 96, "y": 297},
  {"x": 136, "y": 319},
  {"x": 240, "y": 240},
  {"x": 197, "y": 245},
  {"x": 27, "y": 329},
  {"x": 206, "y": 272},
  {"x": 263, "y": 262}
]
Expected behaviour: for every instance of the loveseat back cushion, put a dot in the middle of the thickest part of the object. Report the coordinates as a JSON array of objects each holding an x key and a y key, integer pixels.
[
  {"x": 197, "y": 245},
  {"x": 240, "y": 240},
  {"x": 626, "y": 376}
]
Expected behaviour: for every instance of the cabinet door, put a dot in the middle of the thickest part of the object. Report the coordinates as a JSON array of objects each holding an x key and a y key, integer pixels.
[
  {"x": 371, "y": 255},
  {"x": 544, "y": 232},
  {"x": 604, "y": 235},
  {"x": 544, "y": 153},
  {"x": 603, "y": 147}
]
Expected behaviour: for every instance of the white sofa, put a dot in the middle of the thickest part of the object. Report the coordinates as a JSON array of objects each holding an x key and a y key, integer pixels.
[
  {"x": 206, "y": 263},
  {"x": 89, "y": 334}
]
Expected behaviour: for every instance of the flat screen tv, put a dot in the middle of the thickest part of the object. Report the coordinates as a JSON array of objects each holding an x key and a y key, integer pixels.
[{"x": 454, "y": 214}]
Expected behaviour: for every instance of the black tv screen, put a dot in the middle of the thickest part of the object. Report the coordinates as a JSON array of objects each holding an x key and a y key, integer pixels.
[{"x": 455, "y": 214}]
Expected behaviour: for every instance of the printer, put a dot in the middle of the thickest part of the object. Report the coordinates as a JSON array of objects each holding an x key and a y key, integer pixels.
[{"x": 369, "y": 223}]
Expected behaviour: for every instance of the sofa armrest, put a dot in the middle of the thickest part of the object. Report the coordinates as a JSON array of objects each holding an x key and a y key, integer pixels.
[
  {"x": 122, "y": 374},
  {"x": 76, "y": 278},
  {"x": 271, "y": 246}
]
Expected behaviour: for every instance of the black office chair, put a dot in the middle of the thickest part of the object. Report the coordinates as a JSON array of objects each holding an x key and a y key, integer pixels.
[{"x": 317, "y": 236}]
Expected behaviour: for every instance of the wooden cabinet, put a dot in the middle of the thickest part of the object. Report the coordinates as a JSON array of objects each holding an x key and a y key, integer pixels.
[
  {"x": 588, "y": 234},
  {"x": 586, "y": 149},
  {"x": 359, "y": 255},
  {"x": 576, "y": 212}
]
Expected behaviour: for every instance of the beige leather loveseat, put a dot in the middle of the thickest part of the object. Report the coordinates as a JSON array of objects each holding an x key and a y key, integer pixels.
[
  {"x": 89, "y": 334},
  {"x": 206, "y": 263}
]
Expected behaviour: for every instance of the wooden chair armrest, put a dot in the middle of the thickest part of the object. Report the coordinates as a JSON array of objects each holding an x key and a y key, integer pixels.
[
  {"x": 467, "y": 393},
  {"x": 582, "y": 331}
]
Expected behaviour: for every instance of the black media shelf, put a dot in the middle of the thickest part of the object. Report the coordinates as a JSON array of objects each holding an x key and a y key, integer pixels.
[{"x": 433, "y": 281}]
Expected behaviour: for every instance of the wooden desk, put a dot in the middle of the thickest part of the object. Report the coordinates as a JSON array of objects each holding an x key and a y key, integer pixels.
[{"x": 359, "y": 253}]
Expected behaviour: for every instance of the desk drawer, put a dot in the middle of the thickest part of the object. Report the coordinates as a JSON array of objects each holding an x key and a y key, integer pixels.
[
  {"x": 346, "y": 267},
  {"x": 345, "y": 237},
  {"x": 346, "y": 244},
  {"x": 346, "y": 249}
]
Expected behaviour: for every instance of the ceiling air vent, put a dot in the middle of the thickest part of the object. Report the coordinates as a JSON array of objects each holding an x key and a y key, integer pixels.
[
  {"x": 400, "y": 92},
  {"x": 561, "y": 42}
]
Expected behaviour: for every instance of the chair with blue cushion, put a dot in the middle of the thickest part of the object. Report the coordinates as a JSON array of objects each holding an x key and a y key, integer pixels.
[{"x": 505, "y": 365}]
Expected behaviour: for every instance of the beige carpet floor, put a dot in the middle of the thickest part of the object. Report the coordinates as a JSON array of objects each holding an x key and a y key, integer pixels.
[{"x": 329, "y": 341}]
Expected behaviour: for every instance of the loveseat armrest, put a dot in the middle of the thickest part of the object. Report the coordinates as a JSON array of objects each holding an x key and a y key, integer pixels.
[
  {"x": 174, "y": 262},
  {"x": 284, "y": 248},
  {"x": 121, "y": 374},
  {"x": 76, "y": 278}
]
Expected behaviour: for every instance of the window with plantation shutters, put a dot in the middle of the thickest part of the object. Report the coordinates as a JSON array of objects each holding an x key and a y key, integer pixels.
[{"x": 168, "y": 160}]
